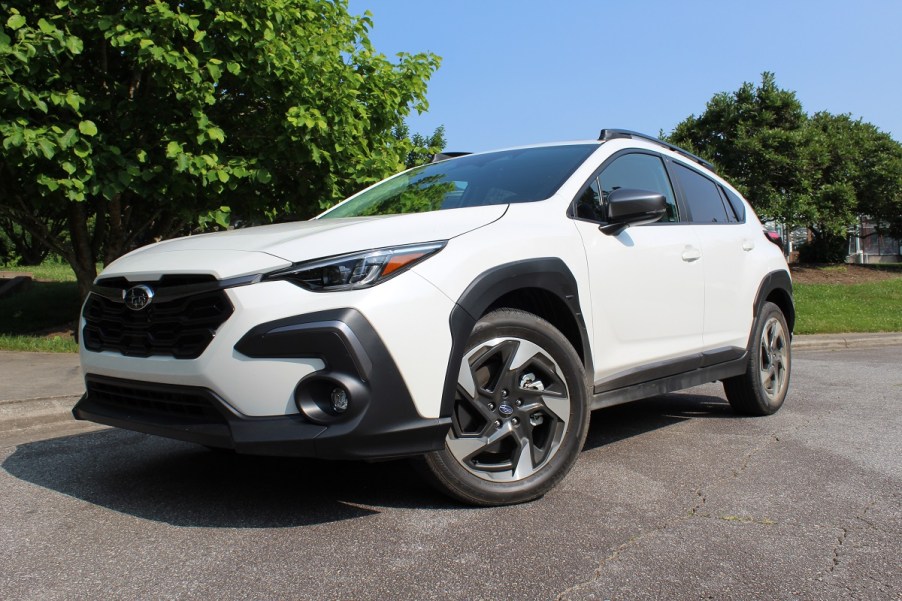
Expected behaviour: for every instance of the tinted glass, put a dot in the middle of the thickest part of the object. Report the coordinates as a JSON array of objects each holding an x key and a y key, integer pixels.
[
  {"x": 702, "y": 196},
  {"x": 588, "y": 203},
  {"x": 508, "y": 176},
  {"x": 638, "y": 172},
  {"x": 736, "y": 203}
]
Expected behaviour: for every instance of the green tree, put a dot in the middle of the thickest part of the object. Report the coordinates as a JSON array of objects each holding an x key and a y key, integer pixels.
[
  {"x": 867, "y": 161},
  {"x": 129, "y": 122},
  {"x": 854, "y": 169},
  {"x": 421, "y": 148},
  {"x": 820, "y": 172},
  {"x": 21, "y": 246},
  {"x": 756, "y": 136}
]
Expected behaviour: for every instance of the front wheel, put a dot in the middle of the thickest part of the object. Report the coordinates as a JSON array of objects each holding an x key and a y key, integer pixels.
[
  {"x": 762, "y": 389},
  {"x": 520, "y": 414}
]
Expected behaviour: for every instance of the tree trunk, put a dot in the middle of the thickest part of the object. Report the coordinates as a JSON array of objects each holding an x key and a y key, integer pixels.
[
  {"x": 115, "y": 242},
  {"x": 82, "y": 259}
]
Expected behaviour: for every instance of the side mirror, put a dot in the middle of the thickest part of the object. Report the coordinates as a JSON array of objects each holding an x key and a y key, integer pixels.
[{"x": 632, "y": 207}]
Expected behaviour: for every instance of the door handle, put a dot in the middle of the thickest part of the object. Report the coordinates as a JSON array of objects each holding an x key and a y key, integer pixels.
[
  {"x": 747, "y": 245},
  {"x": 691, "y": 253}
]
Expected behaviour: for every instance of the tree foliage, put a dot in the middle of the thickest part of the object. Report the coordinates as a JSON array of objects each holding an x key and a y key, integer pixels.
[
  {"x": 756, "y": 138},
  {"x": 128, "y": 121},
  {"x": 422, "y": 148},
  {"x": 820, "y": 172},
  {"x": 20, "y": 247}
]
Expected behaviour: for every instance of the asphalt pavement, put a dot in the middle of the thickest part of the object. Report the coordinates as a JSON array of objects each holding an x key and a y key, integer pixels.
[{"x": 673, "y": 497}]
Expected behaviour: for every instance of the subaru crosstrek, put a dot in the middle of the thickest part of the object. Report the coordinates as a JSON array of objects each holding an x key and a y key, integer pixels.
[{"x": 471, "y": 312}]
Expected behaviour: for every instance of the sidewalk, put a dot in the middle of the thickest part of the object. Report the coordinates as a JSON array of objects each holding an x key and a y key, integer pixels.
[
  {"x": 38, "y": 388},
  {"x": 41, "y": 388}
]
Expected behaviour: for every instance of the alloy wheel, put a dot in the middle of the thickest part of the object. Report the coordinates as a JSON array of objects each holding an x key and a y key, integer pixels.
[
  {"x": 511, "y": 411},
  {"x": 773, "y": 360}
]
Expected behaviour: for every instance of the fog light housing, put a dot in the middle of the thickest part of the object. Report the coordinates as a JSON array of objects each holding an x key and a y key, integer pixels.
[
  {"x": 340, "y": 399},
  {"x": 328, "y": 397}
]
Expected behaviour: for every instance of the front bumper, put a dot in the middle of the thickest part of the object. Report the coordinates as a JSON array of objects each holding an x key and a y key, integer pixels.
[{"x": 381, "y": 420}]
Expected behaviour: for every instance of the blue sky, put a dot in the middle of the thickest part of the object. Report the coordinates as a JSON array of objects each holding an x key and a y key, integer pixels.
[{"x": 518, "y": 72}]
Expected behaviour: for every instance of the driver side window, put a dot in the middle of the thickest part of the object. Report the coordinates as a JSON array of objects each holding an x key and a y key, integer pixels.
[{"x": 637, "y": 171}]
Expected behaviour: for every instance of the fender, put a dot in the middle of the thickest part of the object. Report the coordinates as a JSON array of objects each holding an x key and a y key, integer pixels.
[{"x": 549, "y": 274}]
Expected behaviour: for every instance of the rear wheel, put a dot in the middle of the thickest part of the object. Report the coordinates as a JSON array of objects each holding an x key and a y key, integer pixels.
[
  {"x": 762, "y": 389},
  {"x": 520, "y": 414}
]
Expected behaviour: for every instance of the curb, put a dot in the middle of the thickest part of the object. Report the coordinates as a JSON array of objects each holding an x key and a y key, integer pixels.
[
  {"x": 18, "y": 414},
  {"x": 24, "y": 413},
  {"x": 832, "y": 342}
]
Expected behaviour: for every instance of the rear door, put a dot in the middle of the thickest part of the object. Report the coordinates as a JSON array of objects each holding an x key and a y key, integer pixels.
[{"x": 726, "y": 245}]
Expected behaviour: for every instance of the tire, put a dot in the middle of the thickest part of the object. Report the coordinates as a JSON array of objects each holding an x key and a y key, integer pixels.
[
  {"x": 520, "y": 414},
  {"x": 762, "y": 389}
]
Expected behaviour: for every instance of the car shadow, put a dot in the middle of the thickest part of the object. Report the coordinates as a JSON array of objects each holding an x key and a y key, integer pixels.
[
  {"x": 186, "y": 485},
  {"x": 638, "y": 417}
]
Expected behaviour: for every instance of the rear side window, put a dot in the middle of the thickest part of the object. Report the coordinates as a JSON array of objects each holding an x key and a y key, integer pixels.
[
  {"x": 737, "y": 204},
  {"x": 702, "y": 196}
]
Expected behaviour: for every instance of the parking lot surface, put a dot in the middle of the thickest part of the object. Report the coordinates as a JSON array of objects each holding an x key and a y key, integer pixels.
[{"x": 674, "y": 497}]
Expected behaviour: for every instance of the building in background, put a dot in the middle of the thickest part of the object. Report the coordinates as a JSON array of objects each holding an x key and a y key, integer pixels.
[{"x": 867, "y": 245}]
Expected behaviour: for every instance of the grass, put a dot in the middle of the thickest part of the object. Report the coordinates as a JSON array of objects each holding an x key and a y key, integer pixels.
[
  {"x": 36, "y": 344},
  {"x": 833, "y": 309},
  {"x": 48, "y": 270},
  {"x": 45, "y": 306}
]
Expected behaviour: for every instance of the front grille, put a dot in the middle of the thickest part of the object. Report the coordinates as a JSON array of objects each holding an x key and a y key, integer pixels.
[
  {"x": 181, "y": 403},
  {"x": 180, "y": 322}
]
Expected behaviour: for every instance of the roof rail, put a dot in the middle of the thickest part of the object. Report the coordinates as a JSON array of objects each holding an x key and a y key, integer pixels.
[
  {"x": 444, "y": 156},
  {"x": 613, "y": 134}
]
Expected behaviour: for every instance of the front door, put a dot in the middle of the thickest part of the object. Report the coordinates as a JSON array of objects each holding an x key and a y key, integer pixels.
[{"x": 647, "y": 283}]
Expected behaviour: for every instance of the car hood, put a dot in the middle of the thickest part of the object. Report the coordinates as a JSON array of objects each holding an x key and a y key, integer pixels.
[{"x": 258, "y": 249}]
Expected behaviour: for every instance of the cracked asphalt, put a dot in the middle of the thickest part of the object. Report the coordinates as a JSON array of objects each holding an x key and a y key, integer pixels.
[{"x": 672, "y": 498}]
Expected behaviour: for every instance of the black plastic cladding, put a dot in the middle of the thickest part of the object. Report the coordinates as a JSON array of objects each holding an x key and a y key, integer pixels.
[
  {"x": 386, "y": 423},
  {"x": 141, "y": 407},
  {"x": 550, "y": 274},
  {"x": 781, "y": 283}
]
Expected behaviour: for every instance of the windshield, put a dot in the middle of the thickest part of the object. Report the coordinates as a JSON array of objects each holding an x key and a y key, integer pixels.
[{"x": 508, "y": 176}]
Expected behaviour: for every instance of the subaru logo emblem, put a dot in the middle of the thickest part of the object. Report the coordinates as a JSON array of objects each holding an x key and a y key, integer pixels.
[
  {"x": 505, "y": 409},
  {"x": 138, "y": 297}
]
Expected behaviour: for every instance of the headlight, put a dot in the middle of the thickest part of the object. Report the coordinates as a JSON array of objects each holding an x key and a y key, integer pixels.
[{"x": 356, "y": 270}]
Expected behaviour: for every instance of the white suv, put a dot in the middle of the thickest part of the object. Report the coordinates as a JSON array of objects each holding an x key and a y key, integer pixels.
[{"x": 471, "y": 312}]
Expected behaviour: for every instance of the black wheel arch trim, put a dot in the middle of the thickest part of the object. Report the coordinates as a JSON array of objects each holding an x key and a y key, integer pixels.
[
  {"x": 550, "y": 274},
  {"x": 778, "y": 280}
]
